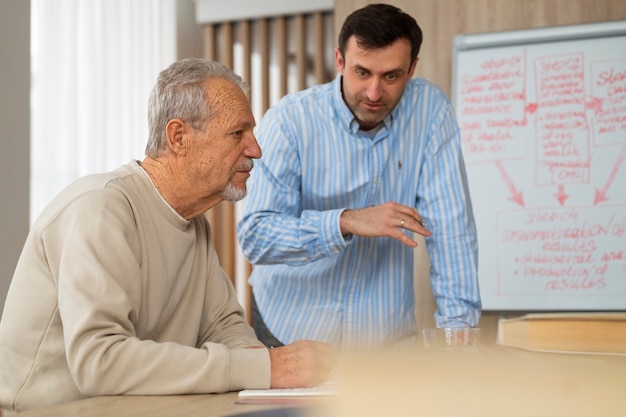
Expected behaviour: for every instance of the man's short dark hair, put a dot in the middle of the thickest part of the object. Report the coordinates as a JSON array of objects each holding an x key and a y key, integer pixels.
[{"x": 379, "y": 25}]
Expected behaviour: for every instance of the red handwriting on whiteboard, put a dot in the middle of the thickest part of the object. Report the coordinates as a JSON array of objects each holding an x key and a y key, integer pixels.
[
  {"x": 614, "y": 79},
  {"x": 491, "y": 108},
  {"x": 609, "y": 119},
  {"x": 562, "y": 128},
  {"x": 561, "y": 250}
]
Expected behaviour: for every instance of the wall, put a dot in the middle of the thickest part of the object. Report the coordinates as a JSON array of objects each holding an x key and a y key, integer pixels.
[
  {"x": 188, "y": 32},
  {"x": 440, "y": 21},
  {"x": 14, "y": 135}
]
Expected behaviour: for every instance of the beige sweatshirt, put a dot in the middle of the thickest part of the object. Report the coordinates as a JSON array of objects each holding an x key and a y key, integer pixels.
[{"x": 115, "y": 293}]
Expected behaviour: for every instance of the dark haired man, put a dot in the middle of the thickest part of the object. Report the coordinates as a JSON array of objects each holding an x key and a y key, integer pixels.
[{"x": 350, "y": 170}]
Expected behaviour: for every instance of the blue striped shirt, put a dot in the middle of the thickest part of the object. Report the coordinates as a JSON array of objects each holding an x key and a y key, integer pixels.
[{"x": 311, "y": 282}]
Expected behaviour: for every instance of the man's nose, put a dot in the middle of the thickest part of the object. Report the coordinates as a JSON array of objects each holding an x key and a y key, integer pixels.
[
  {"x": 374, "y": 90},
  {"x": 253, "y": 150}
]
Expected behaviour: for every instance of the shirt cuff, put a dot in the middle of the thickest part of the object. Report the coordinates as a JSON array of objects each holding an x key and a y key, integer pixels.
[
  {"x": 331, "y": 231},
  {"x": 250, "y": 368}
]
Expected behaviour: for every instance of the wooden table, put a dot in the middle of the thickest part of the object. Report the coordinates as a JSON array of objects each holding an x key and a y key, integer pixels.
[
  {"x": 496, "y": 382},
  {"x": 210, "y": 405}
]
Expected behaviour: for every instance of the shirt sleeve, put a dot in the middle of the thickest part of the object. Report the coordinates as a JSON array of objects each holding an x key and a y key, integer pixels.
[
  {"x": 274, "y": 229},
  {"x": 100, "y": 300},
  {"x": 445, "y": 204}
]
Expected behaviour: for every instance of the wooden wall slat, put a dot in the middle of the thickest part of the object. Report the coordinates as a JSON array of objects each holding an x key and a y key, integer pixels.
[
  {"x": 246, "y": 46},
  {"x": 301, "y": 51},
  {"x": 319, "y": 53},
  {"x": 282, "y": 53},
  {"x": 209, "y": 42},
  {"x": 264, "y": 53},
  {"x": 226, "y": 44}
]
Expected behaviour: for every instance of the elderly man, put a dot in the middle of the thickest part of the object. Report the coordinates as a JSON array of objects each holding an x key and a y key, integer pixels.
[{"x": 119, "y": 290}]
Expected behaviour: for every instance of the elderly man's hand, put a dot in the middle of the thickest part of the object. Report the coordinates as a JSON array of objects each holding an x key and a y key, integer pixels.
[{"x": 303, "y": 363}]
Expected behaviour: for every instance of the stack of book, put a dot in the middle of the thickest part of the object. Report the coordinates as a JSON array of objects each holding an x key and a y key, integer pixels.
[{"x": 587, "y": 333}]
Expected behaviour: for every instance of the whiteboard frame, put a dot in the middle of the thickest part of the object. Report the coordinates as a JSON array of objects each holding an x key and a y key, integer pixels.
[{"x": 531, "y": 36}]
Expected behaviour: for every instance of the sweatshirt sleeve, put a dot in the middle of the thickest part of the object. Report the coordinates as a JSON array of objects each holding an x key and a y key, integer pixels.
[{"x": 117, "y": 323}]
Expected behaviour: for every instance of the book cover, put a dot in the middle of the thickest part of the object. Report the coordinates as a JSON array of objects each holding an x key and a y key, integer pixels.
[{"x": 587, "y": 333}]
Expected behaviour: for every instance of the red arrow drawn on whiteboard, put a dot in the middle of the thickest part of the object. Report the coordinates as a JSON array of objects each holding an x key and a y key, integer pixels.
[
  {"x": 560, "y": 194},
  {"x": 601, "y": 194},
  {"x": 593, "y": 103},
  {"x": 516, "y": 196},
  {"x": 531, "y": 108}
]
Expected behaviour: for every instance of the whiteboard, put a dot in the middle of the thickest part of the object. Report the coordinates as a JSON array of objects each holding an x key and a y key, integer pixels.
[{"x": 542, "y": 114}]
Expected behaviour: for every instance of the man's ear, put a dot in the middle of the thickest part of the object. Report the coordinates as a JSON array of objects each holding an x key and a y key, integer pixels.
[
  {"x": 339, "y": 62},
  {"x": 412, "y": 67},
  {"x": 176, "y": 132}
]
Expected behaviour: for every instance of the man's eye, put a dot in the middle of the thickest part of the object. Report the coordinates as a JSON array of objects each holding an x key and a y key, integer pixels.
[
  {"x": 391, "y": 77},
  {"x": 361, "y": 74}
]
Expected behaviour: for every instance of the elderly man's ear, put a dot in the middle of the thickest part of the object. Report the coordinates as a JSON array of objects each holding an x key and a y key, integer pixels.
[{"x": 176, "y": 132}]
